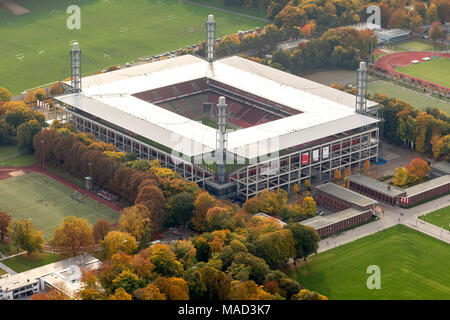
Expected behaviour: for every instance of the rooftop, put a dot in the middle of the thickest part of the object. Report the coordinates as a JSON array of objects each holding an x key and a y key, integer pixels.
[
  {"x": 319, "y": 222},
  {"x": 57, "y": 272},
  {"x": 324, "y": 111},
  {"x": 346, "y": 194},
  {"x": 441, "y": 166},
  {"x": 376, "y": 185},
  {"x": 428, "y": 185},
  {"x": 266, "y": 216}
]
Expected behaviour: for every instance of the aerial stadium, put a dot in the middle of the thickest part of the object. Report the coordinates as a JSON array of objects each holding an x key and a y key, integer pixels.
[{"x": 233, "y": 126}]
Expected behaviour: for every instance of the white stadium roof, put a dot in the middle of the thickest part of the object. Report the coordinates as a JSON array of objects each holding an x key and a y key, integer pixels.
[{"x": 325, "y": 111}]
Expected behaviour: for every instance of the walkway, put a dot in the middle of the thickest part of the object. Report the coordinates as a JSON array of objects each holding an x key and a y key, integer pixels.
[
  {"x": 391, "y": 217},
  {"x": 69, "y": 184}
]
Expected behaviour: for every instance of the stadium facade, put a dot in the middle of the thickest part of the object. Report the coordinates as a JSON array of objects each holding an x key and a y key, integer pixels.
[{"x": 233, "y": 126}]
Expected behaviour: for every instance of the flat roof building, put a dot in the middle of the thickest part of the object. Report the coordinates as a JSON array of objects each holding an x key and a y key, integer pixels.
[
  {"x": 64, "y": 276},
  {"x": 375, "y": 189},
  {"x": 439, "y": 169},
  {"x": 336, "y": 197},
  {"x": 425, "y": 191}
]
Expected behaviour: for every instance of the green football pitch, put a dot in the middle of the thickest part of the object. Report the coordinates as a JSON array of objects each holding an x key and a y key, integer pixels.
[
  {"x": 18, "y": 197},
  {"x": 416, "y": 99},
  {"x": 35, "y": 46},
  {"x": 440, "y": 218},
  {"x": 412, "y": 266},
  {"x": 434, "y": 70}
]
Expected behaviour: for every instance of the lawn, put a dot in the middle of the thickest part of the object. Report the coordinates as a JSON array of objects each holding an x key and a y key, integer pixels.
[
  {"x": 435, "y": 70},
  {"x": 18, "y": 197},
  {"x": 416, "y": 99},
  {"x": 413, "y": 266},
  {"x": 419, "y": 45},
  {"x": 2, "y": 272},
  {"x": 35, "y": 46},
  {"x": 440, "y": 218},
  {"x": 24, "y": 262},
  {"x": 11, "y": 156}
]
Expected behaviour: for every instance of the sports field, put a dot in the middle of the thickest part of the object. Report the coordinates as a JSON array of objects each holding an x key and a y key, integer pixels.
[
  {"x": 412, "y": 265},
  {"x": 419, "y": 45},
  {"x": 18, "y": 197},
  {"x": 435, "y": 70},
  {"x": 35, "y": 45},
  {"x": 416, "y": 99},
  {"x": 440, "y": 218}
]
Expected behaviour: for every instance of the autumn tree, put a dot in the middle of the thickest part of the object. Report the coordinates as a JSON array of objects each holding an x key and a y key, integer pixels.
[
  {"x": 173, "y": 288},
  {"x": 400, "y": 176},
  {"x": 4, "y": 223},
  {"x": 337, "y": 175},
  {"x": 151, "y": 196},
  {"x": 248, "y": 290},
  {"x": 307, "y": 207},
  {"x": 202, "y": 204},
  {"x": 5, "y": 95},
  {"x": 306, "y": 239},
  {"x": 207, "y": 283},
  {"x": 150, "y": 292},
  {"x": 184, "y": 251},
  {"x": 164, "y": 260},
  {"x": 136, "y": 221},
  {"x": 117, "y": 241},
  {"x": 24, "y": 236},
  {"x": 179, "y": 208},
  {"x": 436, "y": 31},
  {"x": 418, "y": 168},
  {"x": 100, "y": 230},
  {"x": 276, "y": 248},
  {"x": 305, "y": 294},
  {"x": 74, "y": 236},
  {"x": 366, "y": 166},
  {"x": 120, "y": 294}
]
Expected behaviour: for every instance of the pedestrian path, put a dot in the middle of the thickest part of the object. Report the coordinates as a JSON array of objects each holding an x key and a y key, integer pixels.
[{"x": 7, "y": 269}]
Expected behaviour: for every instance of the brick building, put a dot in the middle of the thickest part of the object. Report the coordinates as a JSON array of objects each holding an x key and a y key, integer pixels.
[
  {"x": 338, "y": 198},
  {"x": 426, "y": 191},
  {"x": 375, "y": 189}
]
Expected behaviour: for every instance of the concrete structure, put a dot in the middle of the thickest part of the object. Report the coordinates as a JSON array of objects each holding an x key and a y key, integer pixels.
[
  {"x": 333, "y": 223},
  {"x": 300, "y": 130},
  {"x": 439, "y": 169},
  {"x": 338, "y": 198},
  {"x": 64, "y": 276},
  {"x": 375, "y": 189},
  {"x": 426, "y": 191},
  {"x": 392, "y": 36}
]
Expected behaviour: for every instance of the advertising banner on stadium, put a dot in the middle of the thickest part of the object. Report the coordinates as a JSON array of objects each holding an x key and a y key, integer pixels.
[
  {"x": 305, "y": 158},
  {"x": 326, "y": 152},
  {"x": 315, "y": 155}
]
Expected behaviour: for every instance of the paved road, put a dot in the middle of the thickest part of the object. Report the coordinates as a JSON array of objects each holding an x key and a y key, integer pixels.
[
  {"x": 7, "y": 269},
  {"x": 391, "y": 217},
  {"x": 226, "y": 10}
]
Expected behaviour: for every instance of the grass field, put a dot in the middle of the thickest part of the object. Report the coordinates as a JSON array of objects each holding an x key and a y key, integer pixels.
[
  {"x": 414, "y": 98},
  {"x": 440, "y": 218},
  {"x": 18, "y": 197},
  {"x": 2, "y": 272},
  {"x": 24, "y": 262},
  {"x": 10, "y": 156},
  {"x": 35, "y": 46},
  {"x": 435, "y": 70},
  {"x": 413, "y": 266},
  {"x": 419, "y": 45}
]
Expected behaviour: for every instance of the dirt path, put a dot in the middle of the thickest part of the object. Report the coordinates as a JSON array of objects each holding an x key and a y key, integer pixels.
[
  {"x": 14, "y": 7},
  {"x": 69, "y": 184}
]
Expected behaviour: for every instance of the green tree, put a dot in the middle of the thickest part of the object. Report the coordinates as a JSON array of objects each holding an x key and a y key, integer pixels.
[
  {"x": 276, "y": 248},
  {"x": 24, "y": 236},
  {"x": 306, "y": 239}
]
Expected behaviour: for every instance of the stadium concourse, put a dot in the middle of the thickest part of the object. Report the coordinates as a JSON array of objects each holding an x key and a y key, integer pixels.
[
  {"x": 386, "y": 65},
  {"x": 282, "y": 129}
]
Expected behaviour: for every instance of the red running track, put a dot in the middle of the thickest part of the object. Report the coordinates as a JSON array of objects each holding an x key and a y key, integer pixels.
[
  {"x": 69, "y": 184},
  {"x": 400, "y": 59}
]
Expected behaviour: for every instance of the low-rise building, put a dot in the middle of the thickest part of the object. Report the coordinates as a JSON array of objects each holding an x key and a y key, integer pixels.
[
  {"x": 64, "y": 276},
  {"x": 336, "y": 222},
  {"x": 375, "y": 189},
  {"x": 439, "y": 169},
  {"x": 426, "y": 191}
]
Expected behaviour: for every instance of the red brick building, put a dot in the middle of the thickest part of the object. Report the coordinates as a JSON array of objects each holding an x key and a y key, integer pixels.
[
  {"x": 426, "y": 191},
  {"x": 338, "y": 198}
]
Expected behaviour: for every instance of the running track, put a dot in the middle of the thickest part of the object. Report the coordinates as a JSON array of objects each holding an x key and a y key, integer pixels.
[{"x": 69, "y": 184}]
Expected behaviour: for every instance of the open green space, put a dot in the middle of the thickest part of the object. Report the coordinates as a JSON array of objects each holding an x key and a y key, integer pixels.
[
  {"x": 440, "y": 218},
  {"x": 435, "y": 70},
  {"x": 36, "y": 45},
  {"x": 416, "y": 99},
  {"x": 412, "y": 266},
  {"x": 18, "y": 197},
  {"x": 24, "y": 262},
  {"x": 257, "y": 12},
  {"x": 11, "y": 156},
  {"x": 2, "y": 272},
  {"x": 419, "y": 45}
]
